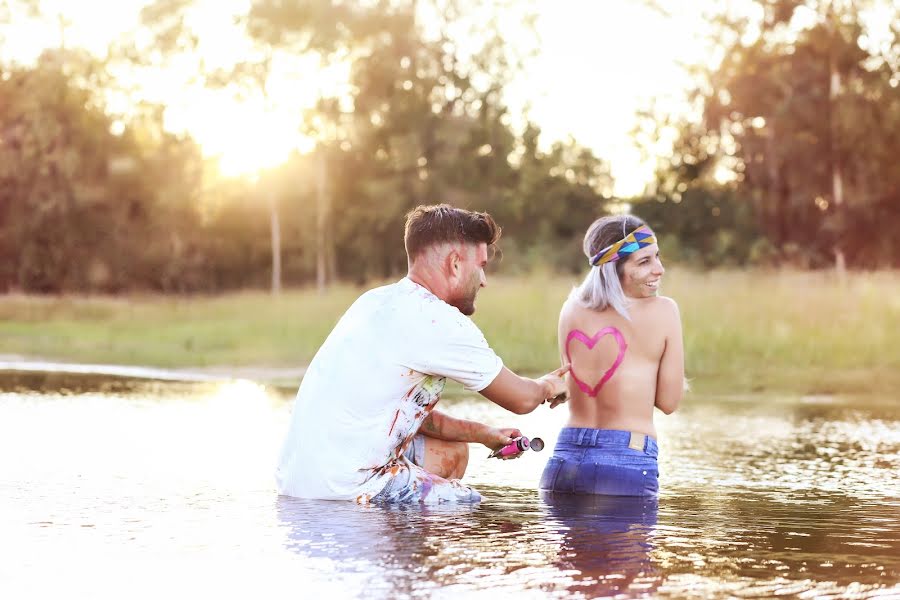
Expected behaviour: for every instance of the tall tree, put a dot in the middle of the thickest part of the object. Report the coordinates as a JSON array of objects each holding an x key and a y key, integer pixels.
[
  {"x": 800, "y": 114},
  {"x": 421, "y": 108},
  {"x": 78, "y": 203}
]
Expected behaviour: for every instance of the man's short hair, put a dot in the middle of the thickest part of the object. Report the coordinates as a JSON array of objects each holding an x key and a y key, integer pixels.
[{"x": 428, "y": 226}]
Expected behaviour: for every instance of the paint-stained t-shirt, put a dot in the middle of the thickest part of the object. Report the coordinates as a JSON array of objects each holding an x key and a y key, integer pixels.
[{"x": 369, "y": 387}]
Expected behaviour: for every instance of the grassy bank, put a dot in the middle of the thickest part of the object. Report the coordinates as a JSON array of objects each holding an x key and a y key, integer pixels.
[{"x": 786, "y": 332}]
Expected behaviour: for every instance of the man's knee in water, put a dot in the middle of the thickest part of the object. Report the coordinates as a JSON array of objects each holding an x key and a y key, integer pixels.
[
  {"x": 462, "y": 459},
  {"x": 446, "y": 459}
]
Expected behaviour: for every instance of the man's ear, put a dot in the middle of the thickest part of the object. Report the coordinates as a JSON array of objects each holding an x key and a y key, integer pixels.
[{"x": 453, "y": 262}]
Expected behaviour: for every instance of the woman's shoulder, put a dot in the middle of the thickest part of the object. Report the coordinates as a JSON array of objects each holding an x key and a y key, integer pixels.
[
  {"x": 576, "y": 315},
  {"x": 663, "y": 303},
  {"x": 662, "y": 309},
  {"x": 569, "y": 306},
  {"x": 573, "y": 307}
]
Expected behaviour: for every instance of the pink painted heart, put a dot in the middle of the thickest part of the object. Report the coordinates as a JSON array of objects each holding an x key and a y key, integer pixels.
[{"x": 590, "y": 342}]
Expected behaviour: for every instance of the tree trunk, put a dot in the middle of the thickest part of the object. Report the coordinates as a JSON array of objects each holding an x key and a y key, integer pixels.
[
  {"x": 837, "y": 180},
  {"x": 322, "y": 214},
  {"x": 772, "y": 203},
  {"x": 331, "y": 272},
  {"x": 275, "y": 227}
]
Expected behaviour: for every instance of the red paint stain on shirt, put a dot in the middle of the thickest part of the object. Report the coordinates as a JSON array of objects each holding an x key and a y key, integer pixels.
[{"x": 396, "y": 414}]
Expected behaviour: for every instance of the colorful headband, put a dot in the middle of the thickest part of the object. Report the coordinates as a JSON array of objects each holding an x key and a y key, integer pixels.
[{"x": 634, "y": 241}]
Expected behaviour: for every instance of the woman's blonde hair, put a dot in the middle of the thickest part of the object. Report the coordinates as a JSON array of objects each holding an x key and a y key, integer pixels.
[{"x": 602, "y": 287}]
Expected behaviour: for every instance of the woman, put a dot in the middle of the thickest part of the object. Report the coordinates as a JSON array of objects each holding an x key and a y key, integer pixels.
[{"x": 624, "y": 345}]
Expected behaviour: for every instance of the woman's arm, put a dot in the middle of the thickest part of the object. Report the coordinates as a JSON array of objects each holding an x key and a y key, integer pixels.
[{"x": 670, "y": 377}]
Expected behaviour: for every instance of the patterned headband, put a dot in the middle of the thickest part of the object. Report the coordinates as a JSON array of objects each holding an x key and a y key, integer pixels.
[{"x": 634, "y": 241}]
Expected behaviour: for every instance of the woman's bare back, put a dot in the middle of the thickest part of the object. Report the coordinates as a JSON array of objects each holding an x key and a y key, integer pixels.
[{"x": 621, "y": 369}]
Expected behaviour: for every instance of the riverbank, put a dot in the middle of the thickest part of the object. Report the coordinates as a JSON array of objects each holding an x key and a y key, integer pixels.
[
  {"x": 745, "y": 332},
  {"x": 282, "y": 376}
]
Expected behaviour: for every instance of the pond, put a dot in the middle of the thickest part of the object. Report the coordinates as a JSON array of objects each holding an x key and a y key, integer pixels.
[{"x": 114, "y": 487}]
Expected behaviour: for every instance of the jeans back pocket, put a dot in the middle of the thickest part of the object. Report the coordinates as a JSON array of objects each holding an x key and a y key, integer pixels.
[
  {"x": 559, "y": 475},
  {"x": 618, "y": 480},
  {"x": 550, "y": 473}
]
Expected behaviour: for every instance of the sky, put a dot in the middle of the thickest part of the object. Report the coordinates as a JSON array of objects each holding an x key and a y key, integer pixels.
[{"x": 599, "y": 62}]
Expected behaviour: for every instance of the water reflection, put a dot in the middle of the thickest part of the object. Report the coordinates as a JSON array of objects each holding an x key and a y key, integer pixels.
[
  {"x": 387, "y": 548},
  {"x": 404, "y": 550},
  {"x": 607, "y": 540},
  {"x": 760, "y": 541}
]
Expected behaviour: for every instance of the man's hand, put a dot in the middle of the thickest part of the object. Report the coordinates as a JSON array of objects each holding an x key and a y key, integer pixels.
[
  {"x": 557, "y": 400},
  {"x": 495, "y": 438},
  {"x": 555, "y": 383}
]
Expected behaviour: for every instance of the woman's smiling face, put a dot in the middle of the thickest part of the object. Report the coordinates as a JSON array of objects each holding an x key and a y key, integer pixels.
[{"x": 642, "y": 273}]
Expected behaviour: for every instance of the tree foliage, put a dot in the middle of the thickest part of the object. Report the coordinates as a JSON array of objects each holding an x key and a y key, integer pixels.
[
  {"x": 783, "y": 165},
  {"x": 425, "y": 123},
  {"x": 802, "y": 118}
]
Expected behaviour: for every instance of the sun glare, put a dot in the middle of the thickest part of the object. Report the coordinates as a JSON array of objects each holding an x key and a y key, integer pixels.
[
  {"x": 597, "y": 65},
  {"x": 244, "y": 132},
  {"x": 247, "y": 129},
  {"x": 592, "y": 73},
  {"x": 244, "y": 137}
]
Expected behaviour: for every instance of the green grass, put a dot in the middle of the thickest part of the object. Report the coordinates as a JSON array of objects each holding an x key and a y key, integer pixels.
[
  {"x": 248, "y": 328},
  {"x": 745, "y": 332}
]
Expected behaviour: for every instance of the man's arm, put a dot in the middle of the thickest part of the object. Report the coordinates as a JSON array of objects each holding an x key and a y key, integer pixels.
[
  {"x": 444, "y": 427},
  {"x": 522, "y": 395}
]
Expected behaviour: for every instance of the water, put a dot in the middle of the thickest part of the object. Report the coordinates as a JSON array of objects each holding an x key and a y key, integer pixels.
[{"x": 110, "y": 488}]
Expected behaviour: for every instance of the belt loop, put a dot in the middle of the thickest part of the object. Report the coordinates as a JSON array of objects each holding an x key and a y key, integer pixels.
[{"x": 580, "y": 438}]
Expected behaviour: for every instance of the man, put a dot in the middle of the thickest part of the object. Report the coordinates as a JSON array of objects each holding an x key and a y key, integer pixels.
[{"x": 364, "y": 426}]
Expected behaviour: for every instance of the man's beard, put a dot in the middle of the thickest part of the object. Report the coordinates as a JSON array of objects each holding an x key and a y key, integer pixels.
[
  {"x": 466, "y": 303},
  {"x": 467, "y": 306}
]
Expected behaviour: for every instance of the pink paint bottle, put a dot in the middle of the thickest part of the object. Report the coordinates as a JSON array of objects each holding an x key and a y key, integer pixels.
[{"x": 517, "y": 446}]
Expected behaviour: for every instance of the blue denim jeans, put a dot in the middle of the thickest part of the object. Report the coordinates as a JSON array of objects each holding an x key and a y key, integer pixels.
[{"x": 600, "y": 461}]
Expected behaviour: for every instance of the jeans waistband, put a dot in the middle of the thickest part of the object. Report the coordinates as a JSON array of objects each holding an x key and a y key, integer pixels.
[{"x": 584, "y": 436}]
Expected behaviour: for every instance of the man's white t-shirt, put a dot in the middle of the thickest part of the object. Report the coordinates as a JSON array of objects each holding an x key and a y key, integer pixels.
[{"x": 370, "y": 386}]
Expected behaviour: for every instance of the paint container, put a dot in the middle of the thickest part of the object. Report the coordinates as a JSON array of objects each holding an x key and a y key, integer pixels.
[{"x": 517, "y": 446}]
